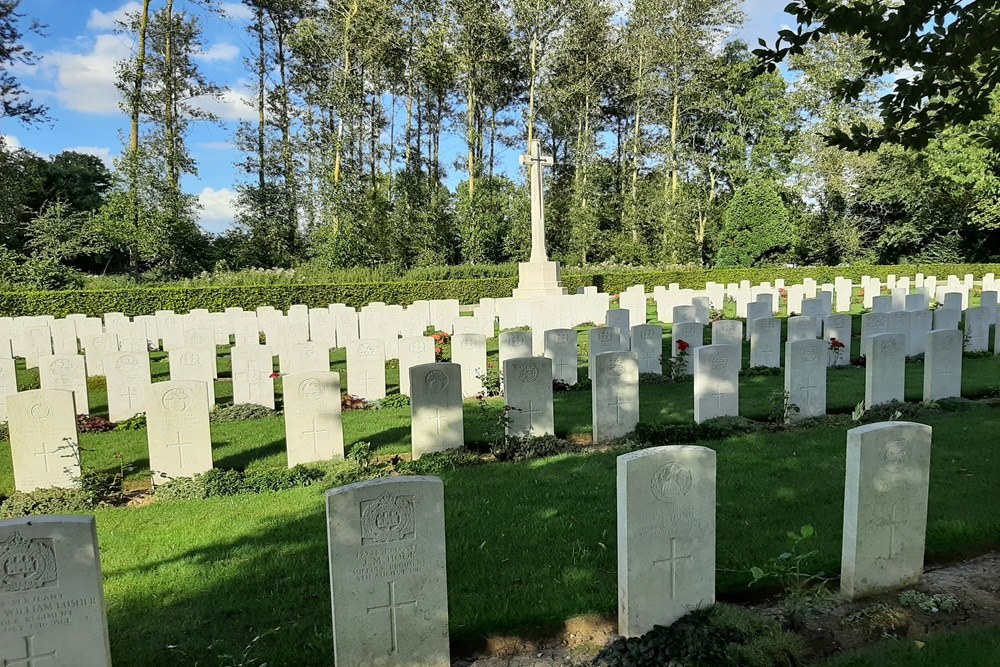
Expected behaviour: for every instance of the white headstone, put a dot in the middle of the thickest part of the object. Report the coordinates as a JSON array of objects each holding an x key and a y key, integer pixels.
[
  {"x": 615, "y": 395},
  {"x": 469, "y": 352},
  {"x": 885, "y": 507},
  {"x": 252, "y": 369},
  {"x": 977, "y": 330},
  {"x": 528, "y": 394},
  {"x": 437, "y": 422},
  {"x": 765, "y": 343},
  {"x": 43, "y": 439},
  {"x": 180, "y": 442},
  {"x": 388, "y": 580},
  {"x": 366, "y": 368},
  {"x": 885, "y": 368},
  {"x": 666, "y": 535},
  {"x": 716, "y": 382},
  {"x": 618, "y": 319},
  {"x": 95, "y": 348},
  {"x": 560, "y": 347},
  {"x": 68, "y": 372},
  {"x": 805, "y": 377},
  {"x": 943, "y": 365},
  {"x": 127, "y": 378},
  {"x": 52, "y": 593},
  {"x": 313, "y": 427},
  {"x": 647, "y": 343}
]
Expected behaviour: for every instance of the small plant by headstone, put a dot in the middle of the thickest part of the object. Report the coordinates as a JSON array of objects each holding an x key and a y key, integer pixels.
[
  {"x": 879, "y": 620},
  {"x": 239, "y": 413},
  {"x": 93, "y": 424},
  {"x": 930, "y": 603},
  {"x": 134, "y": 423},
  {"x": 391, "y": 401}
]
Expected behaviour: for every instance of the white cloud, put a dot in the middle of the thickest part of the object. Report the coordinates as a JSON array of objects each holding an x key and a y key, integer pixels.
[
  {"x": 12, "y": 142},
  {"x": 217, "y": 208},
  {"x": 97, "y": 151},
  {"x": 233, "y": 105},
  {"x": 237, "y": 10},
  {"x": 108, "y": 20},
  {"x": 86, "y": 81},
  {"x": 221, "y": 52}
]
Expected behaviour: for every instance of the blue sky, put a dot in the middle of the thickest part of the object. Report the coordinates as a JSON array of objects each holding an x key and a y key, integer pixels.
[{"x": 76, "y": 74}]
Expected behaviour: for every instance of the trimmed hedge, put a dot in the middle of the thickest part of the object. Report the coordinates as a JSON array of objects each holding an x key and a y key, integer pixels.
[{"x": 146, "y": 300}]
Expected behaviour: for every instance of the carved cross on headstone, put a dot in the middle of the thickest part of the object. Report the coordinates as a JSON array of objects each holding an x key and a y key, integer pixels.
[
  {"x": 393, "y": 607},
  {"x": 672, "y": 561},
  {"x": 535, "y": 161},
  {"x": 30, "y": 659}
]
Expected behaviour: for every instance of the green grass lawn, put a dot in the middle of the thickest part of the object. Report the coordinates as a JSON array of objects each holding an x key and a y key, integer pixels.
[
  {"x": 969, "y": 648},
  {"x": 530, "y": 545}
]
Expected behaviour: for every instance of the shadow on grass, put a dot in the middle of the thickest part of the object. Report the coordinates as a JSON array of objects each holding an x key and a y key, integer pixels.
[{"x": 530, "y": 545}]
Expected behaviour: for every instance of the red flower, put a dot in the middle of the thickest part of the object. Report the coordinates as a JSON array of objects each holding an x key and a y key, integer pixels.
[
  {"x": 682, "y": 346},
  {"x": 861, "y": 292},
  {"x": 782, "y": 292},
  {"x": 274, "y": 375},
  {"x": 836, "y": 344}
]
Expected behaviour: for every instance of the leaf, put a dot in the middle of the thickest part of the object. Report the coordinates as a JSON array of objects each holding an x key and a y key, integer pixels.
[
  {"x": 807, "y": 530},
  {"x": 757, "y": 573}
]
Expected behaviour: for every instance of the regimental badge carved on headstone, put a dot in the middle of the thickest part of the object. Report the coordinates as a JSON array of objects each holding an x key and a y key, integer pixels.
[
  {"x": 310, "y": 389},
  {"x": 176, "y": 400},
  {"x": 388, "y": 518},
  {"x": 671, "y": 482},
  {"x": 26, "y": 564},
  {"x": 436, "y": 380}
]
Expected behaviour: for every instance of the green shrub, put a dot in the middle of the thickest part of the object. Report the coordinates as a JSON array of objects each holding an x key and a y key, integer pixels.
[
  {"x": 135, "y": 423},
  {"x": 391, "y": 401},
  {"x": 721, "y": 636},
  {"x": 654, "y": 435},
  {"x": 4, "y": 431},
  {"x": 755, "y": 226},
  {"x": 182, "y": 488},
  {"x": 46, "y": 501},
  {"x": 142, "y": 300},
  {"x": 218, "y": 482},
  {"x": 524, "y": 449},
  {"x": 239, "y": 413},
  {"x": 439, "y": 462}
]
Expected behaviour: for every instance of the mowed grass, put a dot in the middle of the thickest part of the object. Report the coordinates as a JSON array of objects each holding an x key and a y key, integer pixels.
[
  {"x": 529, "y": 545},
  {"x": 967, "y": 648}
]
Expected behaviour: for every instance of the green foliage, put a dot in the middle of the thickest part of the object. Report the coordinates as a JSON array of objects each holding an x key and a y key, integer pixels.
[
  {"x": 791, "y": 569},
  {"x": 4, "y": 431},
  {"x": 391, "y": 401},
  {"x": 755, "y": 227},
  {"x": 46, "y": 501},
  {"x": 217, "y": 482},
  {"x": 437, "y": 463},
  {"x": 240, "y": 412},
  {"x": 532, "y": 447},
  {"x": 931, "y": 604},
  {"x": 680, "y": 434},
  {"x": 145, "y": 300},
  {"x": 721, "y": 636},
  {"x": 135, "y": 423}
]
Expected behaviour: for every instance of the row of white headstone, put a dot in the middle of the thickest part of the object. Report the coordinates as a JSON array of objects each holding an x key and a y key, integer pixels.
[
  {"x": 337, "y": 325},
  {"x": 387, "y": 554},
  {"x": 43, "y": 425}
]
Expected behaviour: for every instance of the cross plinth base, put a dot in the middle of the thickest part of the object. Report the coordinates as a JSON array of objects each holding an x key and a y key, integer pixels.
[{"x": 538, "y": 279}]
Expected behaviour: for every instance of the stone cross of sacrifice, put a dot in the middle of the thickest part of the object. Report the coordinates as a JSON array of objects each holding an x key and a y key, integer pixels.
[{"x": 535, "y": 161}]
